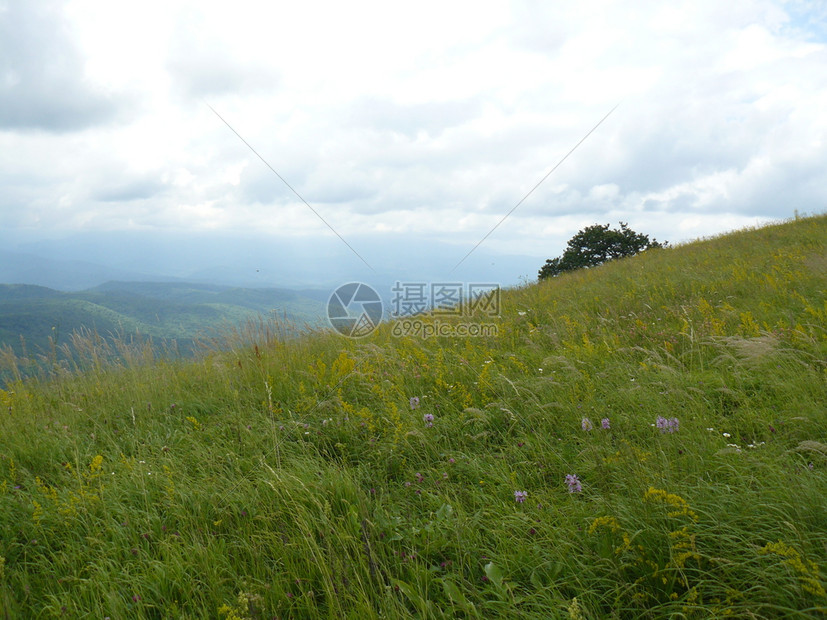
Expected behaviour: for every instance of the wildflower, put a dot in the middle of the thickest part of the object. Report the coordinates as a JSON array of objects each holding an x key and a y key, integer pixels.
[
  {"x": 575, "y": 612},
  {"x": 605, "y": 423},
  {"x": 665, "y": 425},
  {"x": 429, "y": 419},
  {"x": 419, "y": 477},
  {"x": 414, "y": 402},
  {"x": 586, "y": 424},
  {"x": 574, "y": 483},
  {"x": 520, "y": 496},
  {"x": 451, "y": 460}
]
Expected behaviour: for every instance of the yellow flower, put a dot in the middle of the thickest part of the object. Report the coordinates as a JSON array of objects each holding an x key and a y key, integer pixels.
[
  {"x": 575, "y": 613},
  {"x": 681, "y": 505},
  {"x": 808, "y": 573}
]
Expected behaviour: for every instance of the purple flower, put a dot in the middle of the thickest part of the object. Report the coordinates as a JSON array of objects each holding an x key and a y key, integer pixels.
[
  {"x": 414, "y": 402},
  {"x": 605, "y": 423},
  {"x": 419, "y": 477},
  {"x": 667, "y": 426},
  {"x": 586, "y": 424},
  {"x": 429, "y": 419},
  {"x": 519, "y": 496},
  {"x": 574, "y": 483}
]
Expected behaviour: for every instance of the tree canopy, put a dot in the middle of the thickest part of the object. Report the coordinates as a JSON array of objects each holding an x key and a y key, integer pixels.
[{"x": 596, "y": 245}]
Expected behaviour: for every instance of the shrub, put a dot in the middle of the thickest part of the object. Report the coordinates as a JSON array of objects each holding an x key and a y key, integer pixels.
[{"x": 595, "y": 245}]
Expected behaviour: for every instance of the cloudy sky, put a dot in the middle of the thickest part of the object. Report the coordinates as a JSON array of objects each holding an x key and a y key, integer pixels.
[{"x": 426, "y": 121}]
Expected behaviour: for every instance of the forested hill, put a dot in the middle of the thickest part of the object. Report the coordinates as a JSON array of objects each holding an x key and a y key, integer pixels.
[{"x": 166, "y": 310}]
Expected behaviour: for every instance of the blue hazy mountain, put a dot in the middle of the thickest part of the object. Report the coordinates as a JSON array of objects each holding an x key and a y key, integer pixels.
[{"x": 84, "y": 260}]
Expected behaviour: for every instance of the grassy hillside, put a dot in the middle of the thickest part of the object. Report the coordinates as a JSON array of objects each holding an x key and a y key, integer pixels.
[{"x": 647, "y": 439}]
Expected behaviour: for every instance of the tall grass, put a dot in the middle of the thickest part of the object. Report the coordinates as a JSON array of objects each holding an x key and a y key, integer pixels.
[{"x": 280, "y": 477}]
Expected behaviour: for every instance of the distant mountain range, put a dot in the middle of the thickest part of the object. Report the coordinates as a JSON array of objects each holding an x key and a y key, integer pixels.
[
  {"x": 84, "y": 260},
  {"x": 175, "y": 286},
  {"x": 30, "y": 315},
  {"x": 64, "y": 274}
]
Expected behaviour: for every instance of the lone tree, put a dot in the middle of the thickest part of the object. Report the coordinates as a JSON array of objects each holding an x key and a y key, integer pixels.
[{"x": 596, "y": 245}]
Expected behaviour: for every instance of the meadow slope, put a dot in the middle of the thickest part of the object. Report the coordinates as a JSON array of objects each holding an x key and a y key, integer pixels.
[{"x": 646, "y": 439}]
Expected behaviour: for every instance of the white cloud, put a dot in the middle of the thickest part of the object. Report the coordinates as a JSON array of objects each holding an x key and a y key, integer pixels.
[{"x": 435, "y": 120}]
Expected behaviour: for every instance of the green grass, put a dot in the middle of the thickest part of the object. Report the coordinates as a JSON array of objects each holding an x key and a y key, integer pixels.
[{"x": 291, "y": 478}]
